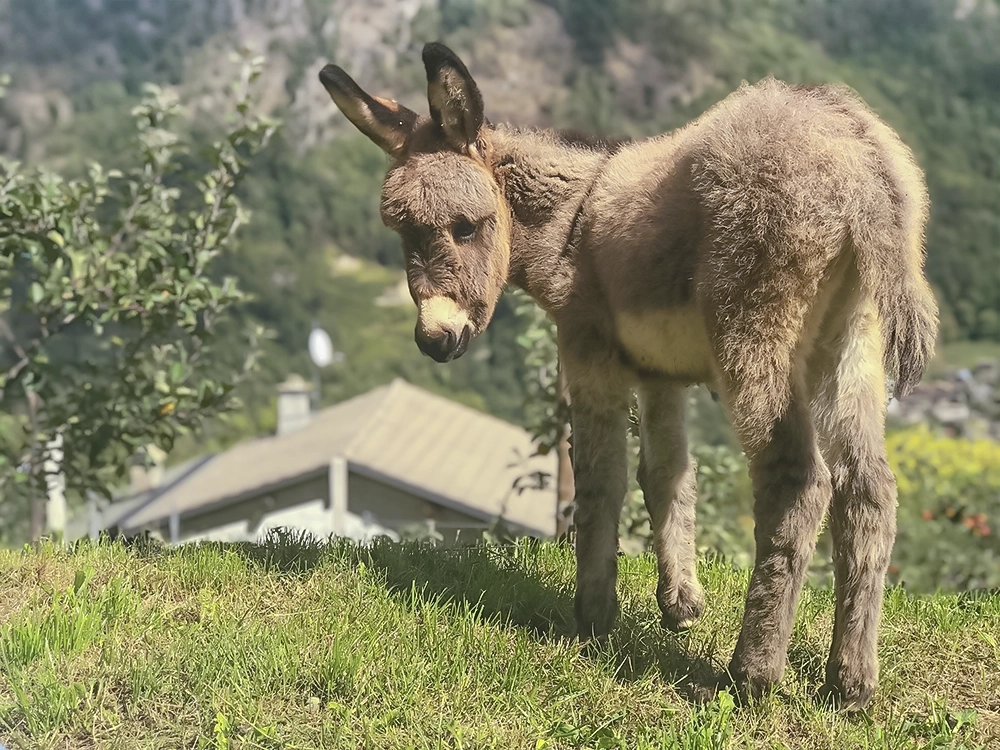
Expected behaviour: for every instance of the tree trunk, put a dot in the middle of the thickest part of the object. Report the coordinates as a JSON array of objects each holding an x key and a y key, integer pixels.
[
  {"x": 564, "y": 468},
  {"x": 37, "y": 491},
  {"x": 37, "y": 516}
]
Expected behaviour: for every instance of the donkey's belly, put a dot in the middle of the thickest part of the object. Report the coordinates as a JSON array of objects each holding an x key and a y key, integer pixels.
[{"x": 670, "y": 342}]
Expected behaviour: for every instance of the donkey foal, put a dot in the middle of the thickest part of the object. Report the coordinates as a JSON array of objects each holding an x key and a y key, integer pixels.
[{"x": 772, "y": 249}]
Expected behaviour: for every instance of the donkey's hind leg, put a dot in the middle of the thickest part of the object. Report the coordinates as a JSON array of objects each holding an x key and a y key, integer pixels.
[
  {"x": 666, "y": 475},
  {"x": 764, "y": 392},
  {"x": 792, "y": 491},
  {"x": 849, "y": 407}
]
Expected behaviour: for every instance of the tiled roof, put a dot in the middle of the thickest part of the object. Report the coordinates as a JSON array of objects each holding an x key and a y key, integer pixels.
[{"x": 401, "y": 434}]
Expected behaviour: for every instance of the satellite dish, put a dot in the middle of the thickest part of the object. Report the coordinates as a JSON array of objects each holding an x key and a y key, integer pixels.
[{"x": 320, "y": 347}]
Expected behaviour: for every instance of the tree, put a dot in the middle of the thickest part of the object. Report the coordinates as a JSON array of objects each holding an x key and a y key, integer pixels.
[
  {"x": 547, "y": 404},
  {"x": 110, "y": 317}
]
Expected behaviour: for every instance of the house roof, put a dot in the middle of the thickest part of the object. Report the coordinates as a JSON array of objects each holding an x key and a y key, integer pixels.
[{"x": 399, "y": 434}]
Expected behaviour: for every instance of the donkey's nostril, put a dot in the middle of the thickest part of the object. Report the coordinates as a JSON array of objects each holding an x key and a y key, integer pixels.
[
  {"x": 445, "y": 345},
  {"x": 439, "y": 346}
]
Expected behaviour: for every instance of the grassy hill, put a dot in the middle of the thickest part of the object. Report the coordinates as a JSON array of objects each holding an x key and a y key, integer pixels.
[
  {"x": 625, "y": 67},
  {"x": 302, "y": 645}
]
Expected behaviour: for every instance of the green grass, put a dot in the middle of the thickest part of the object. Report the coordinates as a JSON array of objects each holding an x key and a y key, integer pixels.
[{"x": 302, "y": 645}]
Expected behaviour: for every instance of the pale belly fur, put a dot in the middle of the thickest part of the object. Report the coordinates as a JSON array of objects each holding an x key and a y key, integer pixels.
[{"x": 670, "y": 342}]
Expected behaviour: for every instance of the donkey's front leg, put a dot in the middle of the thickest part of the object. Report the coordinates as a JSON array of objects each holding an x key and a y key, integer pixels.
[
  {"x": 600, "y": 421},
  {"x": 667, "y": 478}
]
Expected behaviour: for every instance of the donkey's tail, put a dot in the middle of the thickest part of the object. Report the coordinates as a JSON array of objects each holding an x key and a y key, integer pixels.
[
  {"x": 887, "y": 223},
  {"x": 909, "y": 317},
  {"x": 891, "y": 267},
  {"x": 888, "y": 239}
]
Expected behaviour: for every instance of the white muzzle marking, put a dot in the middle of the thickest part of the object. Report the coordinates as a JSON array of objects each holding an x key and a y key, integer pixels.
[{"x": 439, "y": 314}]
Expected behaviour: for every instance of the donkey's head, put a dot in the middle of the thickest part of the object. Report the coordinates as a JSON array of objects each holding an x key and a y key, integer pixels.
[{"x": 440, "y": 197}]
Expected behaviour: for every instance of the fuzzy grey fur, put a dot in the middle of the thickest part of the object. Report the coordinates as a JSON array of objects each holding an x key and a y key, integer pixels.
[{"x": 772, "y": 249}]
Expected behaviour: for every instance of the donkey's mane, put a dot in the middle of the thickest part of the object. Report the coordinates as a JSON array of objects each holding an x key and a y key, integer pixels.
[{"x": 599, "y": 143}]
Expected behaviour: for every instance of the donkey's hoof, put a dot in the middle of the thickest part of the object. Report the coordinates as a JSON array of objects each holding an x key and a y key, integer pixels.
[
  {"x": 595, "y": 616},
  {"x": 682, "y": 613},
  {"x": 846, "y": 698},
  {"x": 745, "y": 687},
  {"x": 669, "y": 622}
]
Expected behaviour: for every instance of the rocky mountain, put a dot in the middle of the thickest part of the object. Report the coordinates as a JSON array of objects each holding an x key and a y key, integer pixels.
[
  {"x": 524, "y": 58},
  {"x": 623, "y": 67}
]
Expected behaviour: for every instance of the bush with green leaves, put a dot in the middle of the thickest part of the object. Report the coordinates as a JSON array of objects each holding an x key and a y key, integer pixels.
[
  {"x": 110, "y": 311},
  {"x": 949, "y": 511}
]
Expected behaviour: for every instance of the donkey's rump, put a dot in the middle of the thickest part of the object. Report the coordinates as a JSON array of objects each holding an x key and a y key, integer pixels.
[
  {"x": 779, "y": 173},
  {"x": 732, "y": 223},
  {"x": 790, "y": 178}
]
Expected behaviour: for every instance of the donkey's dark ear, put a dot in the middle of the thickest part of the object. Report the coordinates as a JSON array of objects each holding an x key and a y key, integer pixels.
[
  {"x": 385, "y": 121},
  {"x": 456, "y": 104}
]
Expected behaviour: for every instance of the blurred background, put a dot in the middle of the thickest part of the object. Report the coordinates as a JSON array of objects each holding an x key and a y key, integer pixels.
[{"x": 315, "y": 259}]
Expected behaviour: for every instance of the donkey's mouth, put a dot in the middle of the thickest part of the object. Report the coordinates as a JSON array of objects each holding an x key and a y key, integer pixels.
[{"x": 463, "y": 342}]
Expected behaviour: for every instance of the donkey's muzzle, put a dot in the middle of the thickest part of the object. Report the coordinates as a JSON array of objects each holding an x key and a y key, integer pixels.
[{"x": 444, "y": 345}]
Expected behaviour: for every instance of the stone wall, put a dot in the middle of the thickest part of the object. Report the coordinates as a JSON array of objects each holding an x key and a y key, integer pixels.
[{"x": 966, "y": 403}]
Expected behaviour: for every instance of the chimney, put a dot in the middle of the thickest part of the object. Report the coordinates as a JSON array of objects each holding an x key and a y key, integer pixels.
[{"x": 294, "y": 404}]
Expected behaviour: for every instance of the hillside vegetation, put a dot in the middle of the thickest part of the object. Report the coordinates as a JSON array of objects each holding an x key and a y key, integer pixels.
[
  {"x": 296, "y": 644},
  {"x": 627, "y": 67}
]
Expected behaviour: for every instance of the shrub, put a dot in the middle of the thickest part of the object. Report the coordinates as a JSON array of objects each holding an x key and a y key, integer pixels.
[
  {"x": 110, "y": 311},
  {"x": 948, "y": 516},
  {"x": 949, "y": 511}
]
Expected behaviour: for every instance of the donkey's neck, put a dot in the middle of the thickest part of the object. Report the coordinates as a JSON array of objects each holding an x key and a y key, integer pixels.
[{"x": 546, "y": 179}]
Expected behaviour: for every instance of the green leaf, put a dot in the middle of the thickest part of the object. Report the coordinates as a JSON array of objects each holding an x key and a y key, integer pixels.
[{"x": 80, "y": 580}]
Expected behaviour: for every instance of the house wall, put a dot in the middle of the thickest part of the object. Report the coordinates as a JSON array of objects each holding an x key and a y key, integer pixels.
[
  {"x": 252, "y": 510},
  {"x": 395, "y": 509},
  {"x": 315, "y": 517},
  {"x": 371, "y": 504}
]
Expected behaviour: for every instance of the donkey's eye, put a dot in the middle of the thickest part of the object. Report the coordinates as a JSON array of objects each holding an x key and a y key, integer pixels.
[{"x": 463, "y": 230}]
